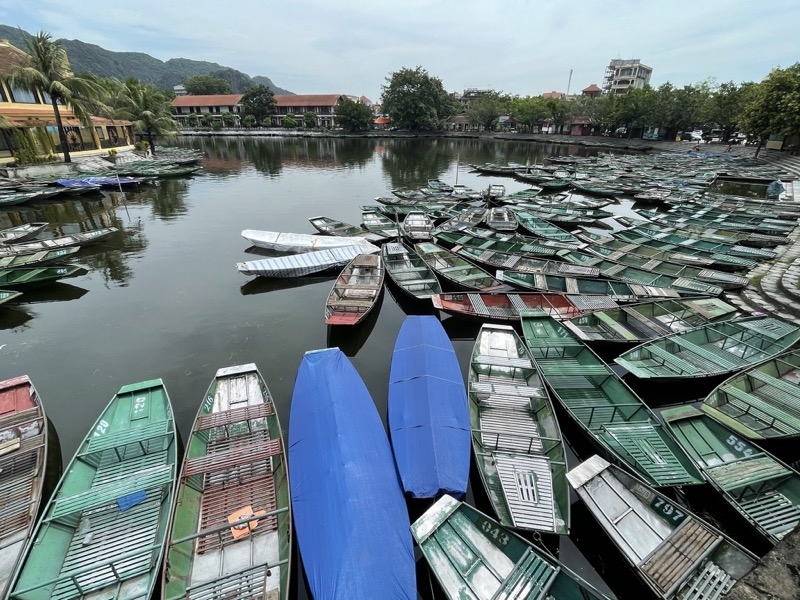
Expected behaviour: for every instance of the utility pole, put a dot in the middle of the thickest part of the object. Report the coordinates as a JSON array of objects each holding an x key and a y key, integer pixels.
[{"x": 569, "y": 82}]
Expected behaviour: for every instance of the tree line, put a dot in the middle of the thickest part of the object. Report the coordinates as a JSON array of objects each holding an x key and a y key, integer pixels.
[{"x": 416, "y": 100}]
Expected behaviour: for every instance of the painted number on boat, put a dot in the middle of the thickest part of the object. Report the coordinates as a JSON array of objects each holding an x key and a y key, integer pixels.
[
  {"x": 670, "y": 511},
  {"x": 139, "y": 407},
  {"x": 495, "y": 532},
  {"x": 101, "y": 428},
  {"x": 739, "y": 446}
]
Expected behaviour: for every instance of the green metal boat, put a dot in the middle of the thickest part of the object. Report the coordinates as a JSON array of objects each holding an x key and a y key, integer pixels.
[
  {"x": 409, "y": 272},
  {"x": 376, "y": 222},
  {"x": 620, "y": 291},
  {"x": 37, "y": 258},
  {"x": 513, "y": 244},
  {"x": 638, "y": 323},
  {"x": 460, "y": 273},
  {"x": 102, "y": 533},
  {"x": 8, "y": 295},
  {"x": 711, "y": 350},
  {"x": 540, "y": 228},
  {"x": 762, "y": 402},
  {"x": 21, "y": 233},
  {"x": 494, "y": 259},
  {"x": 606, "y": 409},
  {"x": 762, "y": 489},
  {"x": 231, "y": 531},
  {"x": 27, "y": 278},
  {"x": 328, "y": 226},
  {"x": 678, "y": 555},
  {"x": 476, "y": 558},
  {"x": 515, "y": 435},
  {"x": 687, "y": 241}
]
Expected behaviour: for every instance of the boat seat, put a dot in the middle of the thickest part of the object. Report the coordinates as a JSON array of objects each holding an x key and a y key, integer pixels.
[
  {"x": 513, "y": 388},
  {"x": 668, "y": 564},
  {"x": 502, "y": 361},
  {"x": 140, "y": 437},
  {"x": 773, "y": 511},
  {"x": 233, "y": 457},
  {"x": 346, "y": 304},
  {"x": 107, "y": 493},
  {"x": 565, "y": 368},
  {"x": 789, "y": 393},
  {"x": 672, "y": 362},
  {"x": 710, "y": 583},
  {"x": 770, "y": 409},
  {"x": 234, "y": 415},
  {"x": 748, "y": 476},
  {"x": 509, "y": 430},
  {"x": 531, "y": 576},
  {"x": 721, "y": 358},
  {"x": 243, "y": 584},
  {"x": 26, "y": 416}
]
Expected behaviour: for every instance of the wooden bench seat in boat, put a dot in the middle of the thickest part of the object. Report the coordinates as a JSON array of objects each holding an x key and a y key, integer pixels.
[
  {"x": 19, "y": 418},
  {"x": 236, "y": 456},
  {"x": 767, "y": 410},
  {"x": 670, "y": 563},
  {"x": 243, "y": 584},
  {"x": 502, "y": 361},
  {"x": 668, "y": 359},
  {"x": 234, "y": 416},
  {"x": 718, "y": 356},
  {"x": 748, "y": 476},
  {"x": 789, "y": 393}
]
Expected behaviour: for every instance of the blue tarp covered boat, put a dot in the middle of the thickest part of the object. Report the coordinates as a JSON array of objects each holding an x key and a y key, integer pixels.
[
  {"x": 428, "y": 411},
  {"x": 351, "y": 521}
]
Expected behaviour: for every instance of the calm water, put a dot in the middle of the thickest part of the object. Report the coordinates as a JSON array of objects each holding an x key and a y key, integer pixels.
[{"x": 163, "y": 298}]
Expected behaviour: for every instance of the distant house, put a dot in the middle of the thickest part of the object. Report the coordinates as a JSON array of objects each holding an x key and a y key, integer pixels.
[
  {"x": 213, "y": 104},
  {"x": 554, "y": 94},
  {"x": 580, "y": 126},
  {"x": 31, "y": 115},
  {"x": 462, "y": 123},
  {"x": 592, "y": 90},
  {"x": 180, "y": 90},
  {"x": 381, "y": 123},
  {"x": 322, "y": 105},
  {"x": 624, "y": 74}
]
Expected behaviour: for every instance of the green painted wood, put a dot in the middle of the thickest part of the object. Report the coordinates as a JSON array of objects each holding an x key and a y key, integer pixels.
[{"x": 604, "y": 407}]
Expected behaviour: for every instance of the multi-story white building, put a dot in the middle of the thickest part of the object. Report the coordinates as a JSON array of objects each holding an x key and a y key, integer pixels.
[{"x": 624, "y": 74}]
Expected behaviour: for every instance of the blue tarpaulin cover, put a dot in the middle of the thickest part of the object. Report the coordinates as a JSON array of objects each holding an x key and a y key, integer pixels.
[
  {"x": 351, "y": 520},
  {"x": 428, "y": 411}
]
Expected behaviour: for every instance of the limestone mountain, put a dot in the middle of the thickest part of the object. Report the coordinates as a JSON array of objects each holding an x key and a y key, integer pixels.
[{"x": 95, "y": 59}]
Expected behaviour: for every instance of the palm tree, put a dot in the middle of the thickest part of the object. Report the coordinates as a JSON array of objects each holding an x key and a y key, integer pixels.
[
  {"x": 147, "y": 107},
  {"x": 48, "y": 74}
]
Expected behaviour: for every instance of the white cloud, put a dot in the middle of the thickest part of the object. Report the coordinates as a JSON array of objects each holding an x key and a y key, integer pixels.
[{"x": 517, "y": 46}]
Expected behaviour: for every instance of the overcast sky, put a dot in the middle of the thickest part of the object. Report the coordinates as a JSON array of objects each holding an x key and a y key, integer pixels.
[{"x": 523, "y": 47}]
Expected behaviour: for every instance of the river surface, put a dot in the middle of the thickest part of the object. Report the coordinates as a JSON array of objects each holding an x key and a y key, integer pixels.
[{"x": 163, "y": 297}]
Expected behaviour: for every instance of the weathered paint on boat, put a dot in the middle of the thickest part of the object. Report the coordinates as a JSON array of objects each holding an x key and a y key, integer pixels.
[
  {"x": 121, "y": 479},
  {"x": 502, "y": 564},
  {"x": 307, "y": 263},
  {"x": 711, "y": 350},
  {"x": 356, "y": 291},
  {"x": 231, "y": 531},
  {"x": 762, "y": 489},
  {"x": 409, "y": 272},
  {"x": 606, "y": 409},
  {"x": 507, "y": 306},
  {"x": 27, "y": 278},
  {"x": 762, "y": 402},
  {"x": 677, "y": 554},
  {"x": 23, "y": 463},
  {"x": 516, "y": 440},
  {"x": 459, "y": 272}
]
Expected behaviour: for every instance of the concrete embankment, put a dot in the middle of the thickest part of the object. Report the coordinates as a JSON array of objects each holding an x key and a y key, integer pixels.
[{"x": 777, "y": 575}]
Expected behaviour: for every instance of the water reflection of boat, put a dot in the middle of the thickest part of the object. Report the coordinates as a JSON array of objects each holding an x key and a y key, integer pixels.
[
  {"x": 350, "y": 338},
  {"x": 57, "y": 292},
  {"x": 261, "y": 285},
  {"x": 11, "y": 318},
  {"x": 461, "y": 329}
]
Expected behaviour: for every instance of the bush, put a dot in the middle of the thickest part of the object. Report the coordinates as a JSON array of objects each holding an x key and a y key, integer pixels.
[
  {"x": 249, "y": 121},
  {"x": 216, "y": 125},
  {"x": 192, "y": 120},
  {"x": 289, "y": 122},
  {"x": 228, "y": 119},
  {"x": 266, "y": 121},
  {"x": 142, "y": 146}
]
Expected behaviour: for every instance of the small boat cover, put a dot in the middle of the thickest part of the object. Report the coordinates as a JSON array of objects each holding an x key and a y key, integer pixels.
[
  {"x": 350, "y": 516},
  {"x": 428, "y": 411}
]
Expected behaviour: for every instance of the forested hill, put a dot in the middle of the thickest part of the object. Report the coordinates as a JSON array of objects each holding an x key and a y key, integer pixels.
[{"x": 90, "y": 58}]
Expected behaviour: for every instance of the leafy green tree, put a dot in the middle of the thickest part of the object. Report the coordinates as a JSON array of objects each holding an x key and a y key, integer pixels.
[
  {"x": 773, "y": 106},
  {"x": 228, "y": 119},
  {"x": 353, "y": 116},
  {"x": 724, "y": 107},
  {"x": 487, "y": 108},
  {"x": 266, "y": 121},
  {"x": 47, "y": 73},
  {"x": 416, "y": 100},
  {"x": 289, "y": 122},
  {"x": 529, "y": 110},
  {"x": 147, "y": 108},
  {"x": 203, "y": 85},
  {"x": 249, "y": 121},
  {"x": 558, "y": 110},
  {"x": 207, "y": 119},
  {"x": 259, "y": 101},
  {"x": 193, "y": 120},
  {"x": 586, "y": 107},
  {"x": 310, "y": 119}
]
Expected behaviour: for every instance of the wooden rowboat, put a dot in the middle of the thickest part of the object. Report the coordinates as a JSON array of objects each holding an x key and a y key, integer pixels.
[
  {"x": 37, "y": 258},
  {"x": 337, "y": 228},
  {"x": 297, "y": 242},
  {"x": 409, "y": 272},
  {"x": 762, "y": 402},
  {"x": 504, "y": 566},
  {"x": 417, "y": 227},
  {"x": 500, "y": 218},
  {"x": 8, "y": 295},
  {"x": 23, "y": 462},
  {"x": 356, "y": 291},
  {"x": 515, "y": 436},
  {"x": 677, "y": 554},
  {"x": 638, "y": 323},
  {"x": 231, "y": 531},
  {"x": 307, "y": 263},
  {"x": 65, "y": 241},
  {"x": 763, "y": 490},
  {"x": 618, "y": 290},
  {"x": 102, "y": 533},
  {"x": 376, "y": 222},
  {"x": 711, "y": 350},
  {"x": 494, "y": 259},
  {"x": 343, "y": 479},
  {"x": 506, "y": 307},
  {"x": 614, "y": 418},
  {"x": 428, "y": 416},
  {"x": 27, "y": 278}
]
